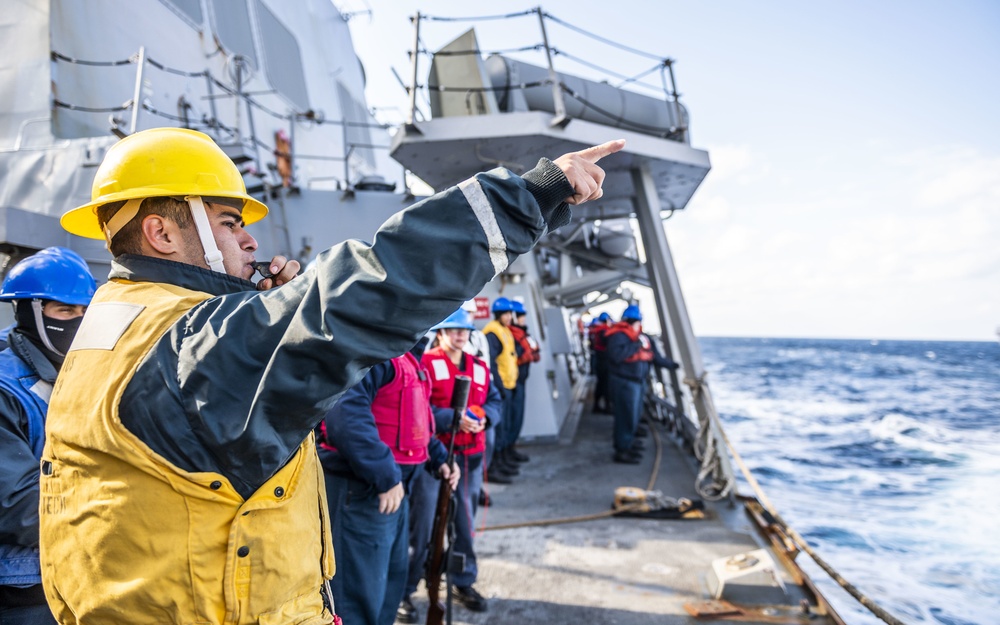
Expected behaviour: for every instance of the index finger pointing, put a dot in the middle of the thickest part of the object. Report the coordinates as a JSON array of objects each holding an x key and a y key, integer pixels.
[{"x": 598, "y": 152}]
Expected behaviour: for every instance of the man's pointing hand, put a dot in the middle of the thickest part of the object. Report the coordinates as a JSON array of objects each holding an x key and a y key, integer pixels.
[{"x": 583, "y": 173}]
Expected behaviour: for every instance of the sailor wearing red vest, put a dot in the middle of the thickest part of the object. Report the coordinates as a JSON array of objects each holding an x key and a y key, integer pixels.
[
  {"x": 598, "y": 360},
  {"x": 377, "y": 438},
  {"x": 443, "y": 362},
  {"x": 630, "y": 354}
]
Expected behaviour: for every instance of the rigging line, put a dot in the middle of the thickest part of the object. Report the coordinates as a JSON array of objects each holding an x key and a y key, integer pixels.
[
  {"x": 188, "y": 121},
  {"x": 609, "y": 72},
  {"x": 161, "y": 66},
  {"x": 604, "y": 40},
  {"x": 851, "y": 589},
  {"x": 627, "y": 125},
  {"x": 710, "y": 458},
  {"x": 635, "y": 79},
  {"x": 481, "y": 18},
  {"x": 529, "y": 48},
  {"x": 86, "y": 109},
  {"x": 523, "y": 85},
  {"x": 62, "y": 57}
]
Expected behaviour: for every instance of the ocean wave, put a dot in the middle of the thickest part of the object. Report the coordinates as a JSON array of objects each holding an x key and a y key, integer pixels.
[{"x": 882, "y": 457}]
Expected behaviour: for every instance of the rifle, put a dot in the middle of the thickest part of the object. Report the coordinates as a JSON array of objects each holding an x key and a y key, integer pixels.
[{"x": 437, "y": 559}]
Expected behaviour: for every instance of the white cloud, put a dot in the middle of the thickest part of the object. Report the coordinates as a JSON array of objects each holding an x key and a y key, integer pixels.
[
  {"x": 738, "y": 162},
  {"x": 908, "y": 249}
]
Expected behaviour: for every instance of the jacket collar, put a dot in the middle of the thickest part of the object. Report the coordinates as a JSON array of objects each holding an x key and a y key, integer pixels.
[
  {"x": 137, "y": 268},
  {"x": 32, "y": 356}
]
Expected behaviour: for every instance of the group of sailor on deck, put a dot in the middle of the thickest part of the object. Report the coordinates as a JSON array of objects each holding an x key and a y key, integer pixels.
[
  {"x": 380, "y": 453},
  {"x": 177, "y": 477},
  {"x": 621, "y": 358}
]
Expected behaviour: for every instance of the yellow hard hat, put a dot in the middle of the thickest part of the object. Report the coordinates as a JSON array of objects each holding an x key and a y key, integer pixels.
[{"x": 162, "y": 162}]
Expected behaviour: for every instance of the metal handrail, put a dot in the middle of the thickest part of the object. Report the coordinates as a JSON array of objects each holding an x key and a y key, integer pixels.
[
  {"x": 212, "y": 123},
  {"x": 664, "y": 65}
]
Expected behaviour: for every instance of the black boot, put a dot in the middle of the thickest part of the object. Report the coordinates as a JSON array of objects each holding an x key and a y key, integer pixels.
[
  {"x": 493, "y": 476},
  {"x": 517, "y": 456},
  {"x": 503, "y": 465}
]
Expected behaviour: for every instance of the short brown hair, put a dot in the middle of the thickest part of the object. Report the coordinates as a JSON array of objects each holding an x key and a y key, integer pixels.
[{"x": 128, "y": 240}]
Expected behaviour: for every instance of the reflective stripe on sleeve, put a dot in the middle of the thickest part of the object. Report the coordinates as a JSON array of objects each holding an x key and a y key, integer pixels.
[{"x": 474, "y": 194}]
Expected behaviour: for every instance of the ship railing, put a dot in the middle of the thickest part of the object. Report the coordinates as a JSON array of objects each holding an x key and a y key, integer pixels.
[
  {"x": 232, "y": 133},
  {"x": 561, "y": 88},
  {"x": 703, "y": 438}
]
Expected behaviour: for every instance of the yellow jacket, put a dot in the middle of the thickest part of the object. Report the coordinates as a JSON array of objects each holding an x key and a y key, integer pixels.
[
  {"x": 128, "y": 537},
  {"x": 507, "y": 358}
]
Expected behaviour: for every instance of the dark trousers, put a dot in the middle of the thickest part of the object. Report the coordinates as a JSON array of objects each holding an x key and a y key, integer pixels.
[
  {"x": 601, "y": 390},
  {"x": 423, "y": 498},
  {"x": 371, "y": 552},
  {"x": 24, "y": 606},
  {"x": 626, "y": 395},
  {"x": 515, "y": 415},
  {"x": 502, "y": 428}
]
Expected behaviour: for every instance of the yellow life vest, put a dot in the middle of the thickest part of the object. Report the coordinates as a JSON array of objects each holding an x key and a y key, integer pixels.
[
  {"x": 507, "y": 358},
  {"x": 128, "y": 537}
]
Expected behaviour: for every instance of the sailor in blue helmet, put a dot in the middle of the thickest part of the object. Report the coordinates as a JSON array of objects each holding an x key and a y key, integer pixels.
[
  {"x": 503, "y": 366},
  {"x": 445, "y": 360},
  {"x": 50, "y": 292},
  {"x": 630, "y": 353}
]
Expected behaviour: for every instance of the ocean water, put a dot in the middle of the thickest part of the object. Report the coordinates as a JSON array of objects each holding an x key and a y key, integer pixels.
[{"x": 885, "y": 456}]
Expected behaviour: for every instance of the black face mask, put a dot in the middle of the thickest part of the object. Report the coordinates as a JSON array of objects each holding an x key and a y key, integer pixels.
[
  {"x": 61, "y": 332},
  {"x": 52, "y": 336}
]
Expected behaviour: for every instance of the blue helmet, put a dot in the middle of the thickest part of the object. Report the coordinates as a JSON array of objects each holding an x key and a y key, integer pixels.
[
  {"x": 605, "y": 316},
  {"x": 55, "y": 273},
  {"x": 519, "y": 308},
  {"x": 460, "y": 319},
  {"x": 502, "y": 305},
  {"x": 632, "y": 313}
]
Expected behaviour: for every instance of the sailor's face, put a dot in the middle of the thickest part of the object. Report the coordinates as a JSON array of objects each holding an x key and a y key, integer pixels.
[
  {"x": 235, "y": 243},
  {"x": 63, "y": 312},
  {"x": 454, "y": 338}
]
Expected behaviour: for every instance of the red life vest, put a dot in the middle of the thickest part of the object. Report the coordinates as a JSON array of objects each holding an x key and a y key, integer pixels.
[
  {"x": 402, "y": 411},
  {"x": 442, "y": 373},
  {"x": 645, "y": 351},
  {"x": 530, "y": 351},
  {"x": 397, "y": 408},
  {"x": 597, "y": 337}
]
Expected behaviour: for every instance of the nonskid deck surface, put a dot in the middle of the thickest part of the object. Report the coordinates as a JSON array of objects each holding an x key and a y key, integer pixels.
[{"x": 610, "y": 570}]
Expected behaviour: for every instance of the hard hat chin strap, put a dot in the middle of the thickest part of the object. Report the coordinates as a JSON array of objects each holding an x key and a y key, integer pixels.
[
  {"x": 118, "y": 221},
  {"x": 204, "y": 229},
  {"x": 36, "y": 308}
]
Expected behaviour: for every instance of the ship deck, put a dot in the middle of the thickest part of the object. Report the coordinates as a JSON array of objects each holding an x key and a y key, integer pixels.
[{"x": 628, "y": 571}]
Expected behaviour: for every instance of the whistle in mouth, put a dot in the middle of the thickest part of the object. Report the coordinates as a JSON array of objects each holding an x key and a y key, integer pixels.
[{"x": 263, "y": 268}]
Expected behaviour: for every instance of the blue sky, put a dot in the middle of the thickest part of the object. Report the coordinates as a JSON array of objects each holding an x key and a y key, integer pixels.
[{"x": 855, "y": 189}]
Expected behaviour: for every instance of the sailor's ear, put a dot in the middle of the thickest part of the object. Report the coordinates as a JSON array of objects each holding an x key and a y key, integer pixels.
[{"x": 161, "y": 234}]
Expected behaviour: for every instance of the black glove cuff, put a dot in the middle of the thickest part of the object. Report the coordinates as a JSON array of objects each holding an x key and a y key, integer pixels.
[{"x": 550, "y": 187}]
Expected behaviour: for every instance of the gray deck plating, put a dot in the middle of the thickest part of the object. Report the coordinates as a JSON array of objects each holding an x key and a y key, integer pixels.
[{"x": 610, "y": 570}]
